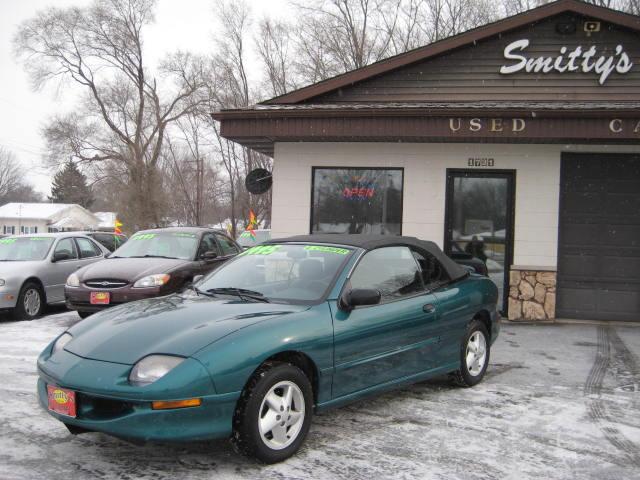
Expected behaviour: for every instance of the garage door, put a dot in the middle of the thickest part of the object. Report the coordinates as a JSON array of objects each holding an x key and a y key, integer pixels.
[{"x": 599, "y": 237}]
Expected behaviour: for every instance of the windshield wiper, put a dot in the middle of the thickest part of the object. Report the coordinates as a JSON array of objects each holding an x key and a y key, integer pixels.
[
  {"x": 199, "y": 292},
  {"x": 240, "y": 292}
]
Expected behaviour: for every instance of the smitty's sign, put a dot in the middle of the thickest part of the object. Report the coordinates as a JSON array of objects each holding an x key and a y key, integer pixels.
[{"x": 580, "y": 59}]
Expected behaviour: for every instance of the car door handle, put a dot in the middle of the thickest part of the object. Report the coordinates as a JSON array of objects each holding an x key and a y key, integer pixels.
[{"x": 429, "y": 308}]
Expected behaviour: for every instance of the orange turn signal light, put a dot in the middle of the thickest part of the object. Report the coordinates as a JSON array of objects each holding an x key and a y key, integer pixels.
[{"x": 191, "y": 402}]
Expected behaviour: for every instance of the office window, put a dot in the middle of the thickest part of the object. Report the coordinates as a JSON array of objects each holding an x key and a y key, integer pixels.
[{"x": 357, "y": 200}]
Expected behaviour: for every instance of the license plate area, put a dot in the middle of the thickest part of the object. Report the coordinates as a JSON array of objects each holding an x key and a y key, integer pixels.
[
  {"x": 100, "y": 298},
  {"x": 62, "y": 401}
]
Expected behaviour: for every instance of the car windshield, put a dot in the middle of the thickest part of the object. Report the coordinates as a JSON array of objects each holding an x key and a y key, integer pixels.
[
  {"x": 16, "y": 249},
  {"x": 247, "y": 239},
  {"x": 180, "y": 245},
  {"x": 290, "y": 273}
]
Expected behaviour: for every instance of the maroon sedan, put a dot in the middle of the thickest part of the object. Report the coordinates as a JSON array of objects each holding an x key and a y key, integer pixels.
[{"x": 152, "y": 263}]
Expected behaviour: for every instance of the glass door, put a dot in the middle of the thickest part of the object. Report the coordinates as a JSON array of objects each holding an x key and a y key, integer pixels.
[{"x": 479, "y": 222}]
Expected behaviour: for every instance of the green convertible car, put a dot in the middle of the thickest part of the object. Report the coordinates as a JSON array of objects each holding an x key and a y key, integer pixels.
[{"x": 285, "y": 329}]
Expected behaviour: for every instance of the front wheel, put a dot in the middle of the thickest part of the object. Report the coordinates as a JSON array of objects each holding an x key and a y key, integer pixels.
[
  {"x": 273, "y": 414},
  {"x": 30, "y": 302},
  {"x": 474, "y": 355}
]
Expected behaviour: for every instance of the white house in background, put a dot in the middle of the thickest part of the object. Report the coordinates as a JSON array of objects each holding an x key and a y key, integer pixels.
[{"x": 19, "y": 218}]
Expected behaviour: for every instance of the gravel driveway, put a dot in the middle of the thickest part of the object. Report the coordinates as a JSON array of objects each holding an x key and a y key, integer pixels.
[{"x": 558, "y": 402}]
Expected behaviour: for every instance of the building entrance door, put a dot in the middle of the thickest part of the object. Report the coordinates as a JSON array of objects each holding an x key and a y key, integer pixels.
[{"x": 479, "y": 221}]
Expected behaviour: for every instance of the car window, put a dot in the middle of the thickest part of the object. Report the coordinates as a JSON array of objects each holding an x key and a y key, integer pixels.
[
  {"x": 208, "y": 244},
  {"x": 67, "y": 246},
  {"x": 160, "y": 243},
  {"x": 226, "y": 245},
  {"x": 392, "y": 270},
  {"x": 24, "y": 248},
  {"x": 433, "y": 273},
  {"x": 290, "y": 273},
  {"x": 87, "y": 248}
]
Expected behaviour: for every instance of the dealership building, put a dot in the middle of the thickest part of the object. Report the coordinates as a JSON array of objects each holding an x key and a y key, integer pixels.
[{"x": 517, "y": 142}]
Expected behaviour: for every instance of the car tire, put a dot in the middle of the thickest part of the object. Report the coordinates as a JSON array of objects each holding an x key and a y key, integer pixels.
[
  {"x": 84, "y": 314},
  {"x": 475, "y": 350},
  {"x": 30, "y": 303},
  {"x": 264, "y": 401}
]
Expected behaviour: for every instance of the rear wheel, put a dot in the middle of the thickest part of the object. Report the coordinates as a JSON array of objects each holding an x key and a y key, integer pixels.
[
  {"x": 273, "y": 414},
  {"x": 30, "y": 302},
  {"x": 474, "y": 355}
]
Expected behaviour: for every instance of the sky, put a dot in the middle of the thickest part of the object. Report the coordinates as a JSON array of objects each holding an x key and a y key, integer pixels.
[{"x": 180, "y": 24}]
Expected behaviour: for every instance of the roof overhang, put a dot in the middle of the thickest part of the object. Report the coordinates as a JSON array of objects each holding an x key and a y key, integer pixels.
[{"x": 260, "y": 128}]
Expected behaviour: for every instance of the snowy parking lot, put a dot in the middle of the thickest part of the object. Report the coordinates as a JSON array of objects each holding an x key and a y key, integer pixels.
[{"x": 558, "y": 402}]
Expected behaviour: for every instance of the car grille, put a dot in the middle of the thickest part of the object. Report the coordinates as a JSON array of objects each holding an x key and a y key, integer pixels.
[{"x": 106, "y": 283}]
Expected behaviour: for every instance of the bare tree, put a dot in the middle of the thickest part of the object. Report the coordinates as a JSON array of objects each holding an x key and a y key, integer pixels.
[
  {"x": 274, "y": 43},
  {"x": 126, "y": 110},
  {"x": 13, "y": 188},
  {"x": 10, "y": 175}
]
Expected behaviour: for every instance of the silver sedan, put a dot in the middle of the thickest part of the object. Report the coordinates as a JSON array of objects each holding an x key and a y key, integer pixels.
[{"x": 34, "y": 269}]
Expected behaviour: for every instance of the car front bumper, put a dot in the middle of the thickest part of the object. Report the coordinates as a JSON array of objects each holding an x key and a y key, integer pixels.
[
  {"x": 130, "y": 415},
  {"x": 8, "y": 299},
  {"x": 79, "y": 298}
]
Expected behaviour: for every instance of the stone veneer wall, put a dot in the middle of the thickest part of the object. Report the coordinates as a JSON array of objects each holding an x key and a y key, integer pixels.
[{"x": 532, "y": 294}]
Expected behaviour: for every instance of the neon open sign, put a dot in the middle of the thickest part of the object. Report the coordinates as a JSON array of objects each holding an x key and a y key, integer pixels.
[{"x": 358, "y": 193}]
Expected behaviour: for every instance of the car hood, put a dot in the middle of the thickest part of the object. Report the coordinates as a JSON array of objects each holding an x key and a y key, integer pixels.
[
  {"x": 129, "y": 268},
  {"x": 174, "y": 325},
  {"x": 19, "y": 269}
]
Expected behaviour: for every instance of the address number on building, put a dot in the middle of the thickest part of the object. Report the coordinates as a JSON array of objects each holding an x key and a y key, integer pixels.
[{"x": 480, "y": 162}]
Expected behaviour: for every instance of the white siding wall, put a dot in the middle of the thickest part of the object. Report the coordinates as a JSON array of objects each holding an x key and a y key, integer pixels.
[
  {"x": 27, "y": 222},
  {"x": 537, "y": 186}
]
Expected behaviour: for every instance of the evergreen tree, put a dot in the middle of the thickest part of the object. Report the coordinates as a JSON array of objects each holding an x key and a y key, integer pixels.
[{"x": 70, "y": 186}]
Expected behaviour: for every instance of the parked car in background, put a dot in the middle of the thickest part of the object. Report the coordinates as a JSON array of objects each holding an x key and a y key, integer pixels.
[
  {"x": 110, "y": 240},
  {"x": 247, "y": 240},
  {"x": 463, "y": 258},
  {"x": 34, "y": 269},
  {"x": 285, "y": 329},
  {"x": 150, "y": 264}
]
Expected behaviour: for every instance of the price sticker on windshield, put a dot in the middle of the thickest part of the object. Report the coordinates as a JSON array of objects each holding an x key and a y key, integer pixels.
[
  {"x": 325, "y": 249},
  {"x": 261, "y": 250}
]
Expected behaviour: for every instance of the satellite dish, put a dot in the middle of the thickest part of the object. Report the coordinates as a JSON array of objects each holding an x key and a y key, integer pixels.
[{"x": 258, "y": 181}]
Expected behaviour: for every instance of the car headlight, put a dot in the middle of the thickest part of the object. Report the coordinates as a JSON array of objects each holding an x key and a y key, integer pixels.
[
  {"x": 156, "y": 280},
  {"x": 61, "y": 342},
  {"x": 152, "y": 368},
  {"x": 73, "y": 280}
]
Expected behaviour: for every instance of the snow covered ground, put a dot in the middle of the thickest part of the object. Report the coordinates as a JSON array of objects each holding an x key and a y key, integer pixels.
[{"x": 559, "y": 402}]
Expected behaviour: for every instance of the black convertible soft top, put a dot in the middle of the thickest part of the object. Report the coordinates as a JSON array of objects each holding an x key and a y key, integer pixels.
[{"x": 371, "y": 242}]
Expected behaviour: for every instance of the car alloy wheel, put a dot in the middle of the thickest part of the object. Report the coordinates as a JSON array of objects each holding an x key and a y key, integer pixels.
[
  {"x": 281, "y": 415},
  {"x": 32, "y": 302},
  {"x": 273, "y": 414},
  {"x": 476, "y": 353}
]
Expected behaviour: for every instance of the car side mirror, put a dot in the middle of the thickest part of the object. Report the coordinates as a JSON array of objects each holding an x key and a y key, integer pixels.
[
  {"x": 210, "y": 255},
  {"x": 359, "y": 297},
  {"x": 196, "y": 279},
  {"x": 60, "y": 256}
]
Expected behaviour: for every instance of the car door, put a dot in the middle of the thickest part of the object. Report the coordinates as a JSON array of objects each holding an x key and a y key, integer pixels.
[
  {"x": 61, "y": 269},
  {"x": 394, "y": 339},
  {"x": 208, "y": 243},
  {"x": 228, "y": 248},
  {"x": 453, "y": 309},
  {"x": 88, "y": 251}
]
